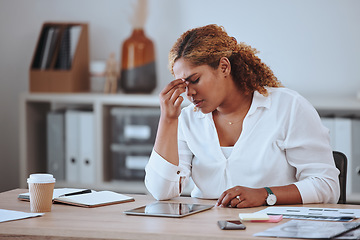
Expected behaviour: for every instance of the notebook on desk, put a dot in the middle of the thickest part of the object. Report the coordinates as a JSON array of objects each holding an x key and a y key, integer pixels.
[{"x": 89, "y": 199}]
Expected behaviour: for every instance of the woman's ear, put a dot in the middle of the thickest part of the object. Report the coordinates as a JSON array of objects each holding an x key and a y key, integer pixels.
[{"x": 225, "y": 66}]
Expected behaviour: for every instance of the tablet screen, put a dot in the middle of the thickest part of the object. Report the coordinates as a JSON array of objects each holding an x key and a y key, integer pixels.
[{"x": 165, "y": 209}]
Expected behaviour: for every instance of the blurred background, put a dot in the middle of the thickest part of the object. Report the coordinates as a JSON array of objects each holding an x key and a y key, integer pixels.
[{"x": 313, "y": 46}]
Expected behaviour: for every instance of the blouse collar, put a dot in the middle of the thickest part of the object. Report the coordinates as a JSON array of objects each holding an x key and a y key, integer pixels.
[{"x": 259, "y": 101}]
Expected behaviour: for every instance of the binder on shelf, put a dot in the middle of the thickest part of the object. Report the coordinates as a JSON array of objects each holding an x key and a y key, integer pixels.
[
  {"x": 61, "y": 59},
  {"x": 56, "y": 145},
  {"x": 86, "y": 147},
  {"x": 71, "y": 143},
  {"x": 80, "y": 156}
]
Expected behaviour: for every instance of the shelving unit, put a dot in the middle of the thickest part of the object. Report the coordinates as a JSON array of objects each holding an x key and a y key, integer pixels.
[
  {"x": 34, "y": 107},
  {"x": 33, "y": 110},
  {"x": 336, "y": 106}
]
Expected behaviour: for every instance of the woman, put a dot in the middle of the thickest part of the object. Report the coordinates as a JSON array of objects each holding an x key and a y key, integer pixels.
[{"x": 248, "y": 141}]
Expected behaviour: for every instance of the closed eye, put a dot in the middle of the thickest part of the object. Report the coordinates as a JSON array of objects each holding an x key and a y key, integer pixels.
[{"x": 195, "y": 81}]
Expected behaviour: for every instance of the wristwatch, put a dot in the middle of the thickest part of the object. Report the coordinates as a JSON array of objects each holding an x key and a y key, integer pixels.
[{"x": 271, "y": 198}]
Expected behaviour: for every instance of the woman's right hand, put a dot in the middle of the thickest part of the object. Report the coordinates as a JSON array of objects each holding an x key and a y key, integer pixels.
[
  {"x": 170, "y": 99},
  {"x": 166, "y": 142}
]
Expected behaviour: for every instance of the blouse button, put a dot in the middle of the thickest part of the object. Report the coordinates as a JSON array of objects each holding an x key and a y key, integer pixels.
[{"x": 178, "y": 172}]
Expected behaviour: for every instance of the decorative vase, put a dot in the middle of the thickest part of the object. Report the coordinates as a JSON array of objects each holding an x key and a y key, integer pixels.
[{"x": 138, "y": 73}]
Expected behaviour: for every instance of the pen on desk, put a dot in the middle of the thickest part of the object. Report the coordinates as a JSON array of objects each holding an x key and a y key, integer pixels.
[{"x": 76, "y": 193}]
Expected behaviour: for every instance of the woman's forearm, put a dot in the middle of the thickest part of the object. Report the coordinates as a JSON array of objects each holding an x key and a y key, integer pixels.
[{"x": 166, "y": 140}]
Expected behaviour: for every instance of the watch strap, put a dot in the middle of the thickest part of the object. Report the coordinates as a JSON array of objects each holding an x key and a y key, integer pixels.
[{"x": 268, "y": 190}]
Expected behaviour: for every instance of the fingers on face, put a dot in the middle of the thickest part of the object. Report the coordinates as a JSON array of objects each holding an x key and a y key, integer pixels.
[
  {"x": 176, "y": 92},
  {"x": 172, "y": 85},
  {"x": 173, "y": 90},
  {"x": 178, "y": 101}
]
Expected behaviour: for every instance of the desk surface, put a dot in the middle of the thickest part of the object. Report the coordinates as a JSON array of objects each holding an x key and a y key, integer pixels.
[{"x": 109, "y": 222}]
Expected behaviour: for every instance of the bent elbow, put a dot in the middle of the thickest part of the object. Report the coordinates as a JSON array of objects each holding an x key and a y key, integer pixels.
[
  {"x": 160, "y": 197},
  {"x": 159, "y": 191},
  {"x": 331, "y": 193}
]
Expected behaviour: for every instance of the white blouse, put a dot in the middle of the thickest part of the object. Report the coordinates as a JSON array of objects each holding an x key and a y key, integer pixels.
[{"x": 282, "y": 142}]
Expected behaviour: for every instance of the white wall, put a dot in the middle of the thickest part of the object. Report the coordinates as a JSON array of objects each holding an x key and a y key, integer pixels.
[{"x": 313, "y": 46}]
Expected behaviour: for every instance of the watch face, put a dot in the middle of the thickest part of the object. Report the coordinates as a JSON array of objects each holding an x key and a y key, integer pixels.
[{"x": 271, "y": 199}]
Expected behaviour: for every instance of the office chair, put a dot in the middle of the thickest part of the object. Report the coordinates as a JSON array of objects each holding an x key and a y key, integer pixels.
[{"x": 341, "y": 163}]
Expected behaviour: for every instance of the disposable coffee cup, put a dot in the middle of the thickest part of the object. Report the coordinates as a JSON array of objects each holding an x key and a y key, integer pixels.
[{"x": 41, "y": 188}]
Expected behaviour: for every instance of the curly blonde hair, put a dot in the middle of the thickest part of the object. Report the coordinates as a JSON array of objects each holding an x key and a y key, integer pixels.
[{"x": 208, "y": 44}]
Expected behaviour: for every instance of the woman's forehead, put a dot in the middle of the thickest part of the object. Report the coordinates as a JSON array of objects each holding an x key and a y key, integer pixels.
[{"x": 183, "y": 69}]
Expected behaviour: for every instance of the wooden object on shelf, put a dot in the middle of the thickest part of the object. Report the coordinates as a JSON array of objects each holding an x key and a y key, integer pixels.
[
  {"x": 47, "y": 74},
  {"x": 111, "y": 74},
  {"x": 138, "y": 72}
]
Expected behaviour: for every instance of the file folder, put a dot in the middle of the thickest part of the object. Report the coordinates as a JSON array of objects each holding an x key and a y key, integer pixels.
[
  {"x": 86, "y": 147},
  {"x": 80, "y": 162},
  {"x": 72, "y": 146},
  {"x": 56, "y": 145}
]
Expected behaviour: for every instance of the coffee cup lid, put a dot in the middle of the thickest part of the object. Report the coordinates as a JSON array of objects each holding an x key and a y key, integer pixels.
[{"x": 41, "y": 178}]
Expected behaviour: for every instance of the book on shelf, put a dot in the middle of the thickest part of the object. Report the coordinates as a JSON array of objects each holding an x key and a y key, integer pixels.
[
  {"x": 68, "y": 44},
  {"x": 60, "y": 44},
  {"x": 46, "y": 49},
  {"x": 39, "y": 53},
  {"x": 63, "y": 57},
  {"x": 84, "y": 197},
  {"x": 49, "y": 47},
  {"x": 75, "y": 32}
]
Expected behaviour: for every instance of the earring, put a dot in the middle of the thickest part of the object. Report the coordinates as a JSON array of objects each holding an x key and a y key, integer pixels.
[{"x": 196, "y": 109}]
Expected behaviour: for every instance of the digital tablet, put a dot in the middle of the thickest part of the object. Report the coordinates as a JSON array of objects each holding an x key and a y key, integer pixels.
[{"x": 165, "y": 209}]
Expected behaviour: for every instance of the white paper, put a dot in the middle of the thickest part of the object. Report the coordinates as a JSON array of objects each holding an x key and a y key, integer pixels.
[
  {"x": 313, "y": 213},
  {"x": 57, "y": 192},
  {"x": 308, "y": 229},
  {"x": 9, "y": 215},
  {"x": 96, "y": 198},
  {"x": 354, "y": 234},
  {"x": 75, "y": 32},
  {"x": 253, "y": 216}
]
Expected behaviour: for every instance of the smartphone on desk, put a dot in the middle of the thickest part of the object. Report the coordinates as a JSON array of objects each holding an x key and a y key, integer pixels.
[{"x": 231, "y": 225}]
